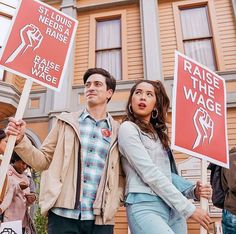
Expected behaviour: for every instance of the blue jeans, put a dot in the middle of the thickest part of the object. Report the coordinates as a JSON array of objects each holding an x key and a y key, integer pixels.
[
  {"x": 228, "y": 222},
  {"x": 154, "y": 217}
]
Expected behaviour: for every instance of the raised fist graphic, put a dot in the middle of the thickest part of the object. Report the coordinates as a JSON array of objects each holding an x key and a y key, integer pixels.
[
  {"x": 204, "y": 127},
  {"x": 31, "y": 38},
  {"x": 8, "y": 231}
]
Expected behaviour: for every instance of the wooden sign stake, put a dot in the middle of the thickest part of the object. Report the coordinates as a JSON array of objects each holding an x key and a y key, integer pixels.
[
  {"x": 12, "y": 139},
  {"x": 203, "y": 201}
]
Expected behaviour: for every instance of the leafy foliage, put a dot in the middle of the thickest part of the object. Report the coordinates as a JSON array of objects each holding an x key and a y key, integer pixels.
[{"x": 39, "y": 220}]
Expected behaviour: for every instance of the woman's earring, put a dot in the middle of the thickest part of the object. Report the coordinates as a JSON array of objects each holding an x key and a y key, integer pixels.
[
  {"x": 154, "y": 113},
  {"x": 130, "y": 109}
]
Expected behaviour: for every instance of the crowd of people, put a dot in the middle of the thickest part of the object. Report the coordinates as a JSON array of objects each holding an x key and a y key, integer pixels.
[{"x": 93, "y": 165}]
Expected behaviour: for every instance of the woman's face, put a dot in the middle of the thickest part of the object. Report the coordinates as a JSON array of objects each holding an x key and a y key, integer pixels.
[
  {"x": 3, "y": 144},
  {"x": 143, "y": 101},
  {"x": 20, "y": 166}
]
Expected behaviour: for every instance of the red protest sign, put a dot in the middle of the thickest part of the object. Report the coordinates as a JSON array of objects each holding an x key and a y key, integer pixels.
[
  {"x": 39, "y": 43},
  {"x": 199, "y": 112}
]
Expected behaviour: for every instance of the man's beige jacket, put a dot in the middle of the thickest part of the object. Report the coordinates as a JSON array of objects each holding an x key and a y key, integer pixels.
[{"x": 60, "y": 159}]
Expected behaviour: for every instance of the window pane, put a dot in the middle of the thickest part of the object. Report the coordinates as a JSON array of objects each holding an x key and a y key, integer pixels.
[
  {"x": 201, "y": 51},
  {"x": 5, "y": 25},
  {"x": 108, "y": 34},
  {"x": 111, "y": 61},
  {"x": 194, "y": 23}
]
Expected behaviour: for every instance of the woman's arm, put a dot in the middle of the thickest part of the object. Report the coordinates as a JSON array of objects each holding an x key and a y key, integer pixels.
[
  {"x": 186, "y": 187},
  {"x": 190, "y": 190},
  {"x": 134, "y": 151},
  {"x": 7, "y": 200}
]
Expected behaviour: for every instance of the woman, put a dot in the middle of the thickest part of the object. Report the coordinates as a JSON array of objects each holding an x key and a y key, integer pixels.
[
  {"x": 154, "y": 202},
  {"x": 3, "y": 143},
  {"x": 18, "y": 196}
]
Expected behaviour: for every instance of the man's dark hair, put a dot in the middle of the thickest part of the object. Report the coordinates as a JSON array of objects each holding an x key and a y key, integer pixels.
[
  {"x": 110, "y": 80},
  {"x": 2, "y": 134}
]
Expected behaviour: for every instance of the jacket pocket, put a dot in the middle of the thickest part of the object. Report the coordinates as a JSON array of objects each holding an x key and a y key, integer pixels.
[
  {"x": 111, "y": 205},
  {"x": 50, "y": 188}
]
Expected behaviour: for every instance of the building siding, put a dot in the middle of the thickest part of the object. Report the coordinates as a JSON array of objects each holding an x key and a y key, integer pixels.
[
  {"x": 225, "y": 27},
  {"x": 167, "y": 36},
  {"x": 133, "y": 41},
  {"x": 227, "y": 32}
]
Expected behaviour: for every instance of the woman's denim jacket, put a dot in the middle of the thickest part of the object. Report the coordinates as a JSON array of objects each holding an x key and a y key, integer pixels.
[{"x": 147, "y": 168}]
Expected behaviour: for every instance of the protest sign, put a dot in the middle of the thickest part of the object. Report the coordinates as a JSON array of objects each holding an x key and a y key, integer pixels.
[
  {"x": 199, "y": 116},
  {"x": 38, "y": 47},
  {"x": 13, "y": 227},
  {"x": 199, "y": 112},
  {"x": 39, "y": 43}
]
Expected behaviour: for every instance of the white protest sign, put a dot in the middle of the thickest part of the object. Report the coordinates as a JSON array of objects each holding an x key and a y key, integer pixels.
[{"x": 13, "y": 227}]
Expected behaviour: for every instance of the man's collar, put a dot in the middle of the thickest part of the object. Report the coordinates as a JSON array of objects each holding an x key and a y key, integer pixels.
[{"x": 86, "y": 114}]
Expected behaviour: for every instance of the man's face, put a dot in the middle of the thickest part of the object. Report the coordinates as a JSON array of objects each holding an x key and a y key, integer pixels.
[{"x": 95, "y": 91}]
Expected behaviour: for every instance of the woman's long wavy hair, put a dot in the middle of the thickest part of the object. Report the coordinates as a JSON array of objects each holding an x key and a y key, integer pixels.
[{"x": 157, "y": 124}]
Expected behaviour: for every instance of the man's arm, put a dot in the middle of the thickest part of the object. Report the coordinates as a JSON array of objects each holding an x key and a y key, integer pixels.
[{"x": 38, "y": 159}]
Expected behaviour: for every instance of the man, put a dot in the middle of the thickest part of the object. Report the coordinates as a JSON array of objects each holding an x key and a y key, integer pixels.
[
  {"x": 228, "y": 178},
  {"x": 82, "y": 187}
]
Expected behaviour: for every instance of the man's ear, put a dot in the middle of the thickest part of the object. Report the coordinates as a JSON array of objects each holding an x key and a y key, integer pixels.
[{"x": 110, "y": 93}]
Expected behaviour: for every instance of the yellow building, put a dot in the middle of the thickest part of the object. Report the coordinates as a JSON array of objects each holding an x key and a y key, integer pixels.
[{"x": 133, "y": 39}]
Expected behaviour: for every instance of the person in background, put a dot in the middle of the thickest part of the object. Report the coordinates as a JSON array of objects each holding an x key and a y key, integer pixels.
[
  {"x": 155, "y": 195},
  {"x": 32, "y": 187},
  {"x": 83, "y": 186},
  {"x": 3, "y": 143},
  {"x": 18, "y": 196},
  {"x": 228, "y": 180}
]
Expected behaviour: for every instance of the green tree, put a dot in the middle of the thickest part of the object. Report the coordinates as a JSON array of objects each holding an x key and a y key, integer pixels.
[{"x": 40, "y": 221}]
